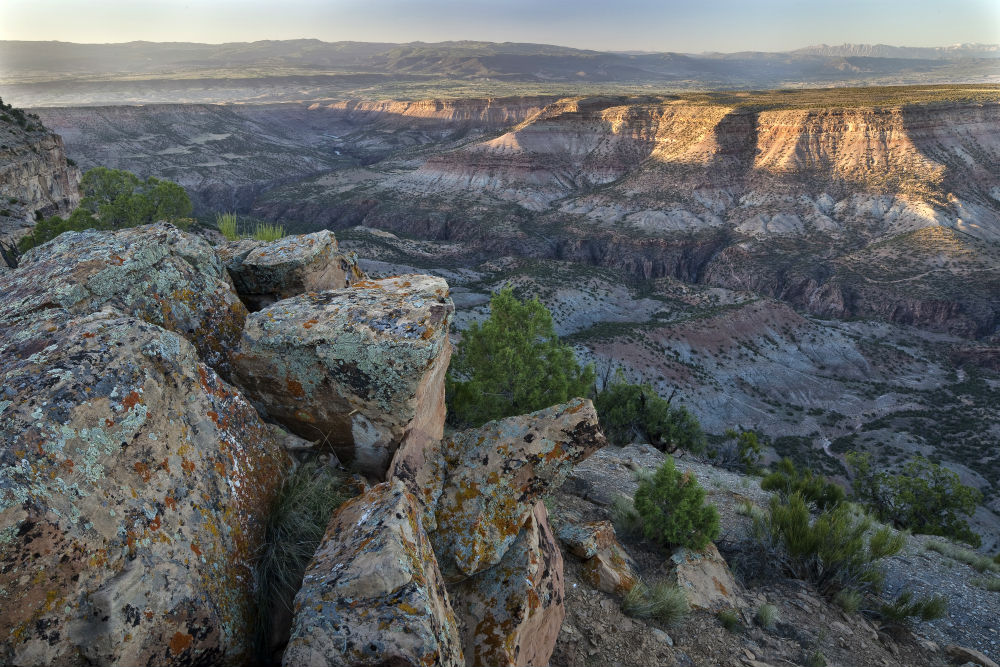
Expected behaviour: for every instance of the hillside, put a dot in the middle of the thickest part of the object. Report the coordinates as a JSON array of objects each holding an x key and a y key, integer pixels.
[{"x": 61, "y": 73}]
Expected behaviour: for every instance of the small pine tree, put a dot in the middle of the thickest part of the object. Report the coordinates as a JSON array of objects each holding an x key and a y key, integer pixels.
[
  {"x": 630, "y": 412},
  {"x": 512, "y": 364},
  {"x": 673, "y": 509}
]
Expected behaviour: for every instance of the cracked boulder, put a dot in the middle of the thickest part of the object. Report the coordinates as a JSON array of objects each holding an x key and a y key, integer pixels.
[
  {"x": 267, "y": 272},
  {"x": 511, "y": 613},
  {"x": 606, "y": 565},
  {"x": 155, "y": 272},
  {"x": 372, "y": 594},
  {"x": 491, "y": 477},
  {"x": 705, "y": 578},
  {"x": 132, "y": 483},
  {"x": 359, "y": 369}
]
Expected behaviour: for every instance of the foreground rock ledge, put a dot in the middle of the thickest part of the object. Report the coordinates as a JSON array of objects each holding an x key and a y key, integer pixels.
[
  {"x": 132, "y": 483},
  {"x": 155, "y": 272},
  {"x": 511, "y": 613},
  {"x": 493, "y": 475},
  {"x": 372, "y": 594},
  {"x": 360, "y": 369},
  {"x": 264, "y": 273}
]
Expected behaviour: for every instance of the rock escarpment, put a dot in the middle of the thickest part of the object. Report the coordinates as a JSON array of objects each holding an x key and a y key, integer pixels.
[
  {"x": 35, "y": 178},
  {"x": 137, "y": 483}
]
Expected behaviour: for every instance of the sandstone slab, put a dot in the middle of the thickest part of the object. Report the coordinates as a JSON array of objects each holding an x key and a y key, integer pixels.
[
  {"x": 359, "y": 369},
  {"x": 372, "y": 594},
  {"x": 493, "y": 475},
  {"x": 705, "y": 578},
  {"x": 607, "y": 566},
  {"x": 267, "y": 272},
  {"x": 132, "y": 483},
  {"x": 511, "y": 613},
  {"x": 156, "y": 272}
]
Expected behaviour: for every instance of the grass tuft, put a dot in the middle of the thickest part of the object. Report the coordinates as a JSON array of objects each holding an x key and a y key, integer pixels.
[
  {"x": 293, "y": 529},
  {"x": 628, "y": 522},
  {"x": 848, "y": 599},
  {"x": 266, "y": 231},
  {"x": 662, "y": 601},
  {"x": 767, "y": 616},
  {"x": 991, "y": 584},
  {"x": 976, "y": 561},
  {"x": 228, "y": 225},
  {"x": 730, "y": 620}
]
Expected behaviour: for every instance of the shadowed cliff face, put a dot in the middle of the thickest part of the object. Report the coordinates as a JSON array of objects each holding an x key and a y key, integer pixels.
[{"x": 35, "y": 178}]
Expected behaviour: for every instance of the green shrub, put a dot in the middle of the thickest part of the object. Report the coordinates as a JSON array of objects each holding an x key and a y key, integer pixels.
[
  {"x": 662, "y": 601},
  {"x": 924, "y": 497},
  {"x": 730, "y": 620},
  {"x": 787, "y": 479},
  {"x": 848, "y": 599},
  {"x": 512, "y": 364},
  {"x": 631, "y": 412},
  {"x": 673, "y": 509},
  {"x": 839, "y": 549},
  {"x": 905, "y": 608},
  {"x": 816, "y": 659},
  {"x": 293, "y": 529},
  {"x": 228, "y": 225},
  {"x": 767, "y": 616},
  {"x": 738, "y": 450},
  {"x": 116, "y": 199}
]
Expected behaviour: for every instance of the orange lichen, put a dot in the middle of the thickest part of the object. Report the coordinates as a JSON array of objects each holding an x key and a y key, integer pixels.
[
  {"x": 295, "y": 388},
  {"x": 180, "y": 642},
  {"x": 143, "y": 470},
  {"x": 132, "y": 400}
]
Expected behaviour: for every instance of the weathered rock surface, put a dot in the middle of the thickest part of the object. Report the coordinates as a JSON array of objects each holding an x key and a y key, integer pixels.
[
  {"x": 607, "y": 566},
  {"x": 373, "y": 594},
  {"x": 267, "y": 272},
  {"x": 360, "y": 369},
  {"x": 705, "y": 578},
  {"x": 492, "y": 477},
  {"x": 132, "y": 484},
  {"x": 155, "y": 272},
  {"x": 511, "y": 613},
  {"x": 34, "y": 176},
  {"x": 961, "y": 654}
]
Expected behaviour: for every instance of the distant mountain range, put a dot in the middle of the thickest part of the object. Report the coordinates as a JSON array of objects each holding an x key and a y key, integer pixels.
[{"x": 59, "y": 73}]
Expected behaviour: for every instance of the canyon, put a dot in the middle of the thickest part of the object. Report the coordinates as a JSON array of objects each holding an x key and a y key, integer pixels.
[{"x": 822, "y": 266}]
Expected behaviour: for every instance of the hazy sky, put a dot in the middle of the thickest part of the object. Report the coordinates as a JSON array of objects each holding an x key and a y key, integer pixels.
[{"x": 664, "y": 25}]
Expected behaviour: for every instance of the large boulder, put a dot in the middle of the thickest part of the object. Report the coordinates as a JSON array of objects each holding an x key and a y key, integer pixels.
[
  {"x": 372, "y": 594},
  {"x": 132, "y": 484},
  {"x": 156, "y": 272},
  {"x": 267, "y": 272},
  {"x": 492, "y": 476},
  {"x": 511, "y": 613},
  {"x": 359, "y": 369}
]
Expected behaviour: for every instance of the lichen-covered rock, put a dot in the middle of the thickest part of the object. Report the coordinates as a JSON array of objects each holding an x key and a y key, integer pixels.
[
  {"x": 492, "y": 476},
  {"x": 372, "y": 594},
  {"x": 132, "y": 482},
  {"x": 705, "y": 578},
  {"x": 511, "y": 613},
  {"x": 156, "y": 272},
  {"x": 267, "y": 272},
  {"x": 359, "y": 369},
  {"x": 607, "y": 566}
]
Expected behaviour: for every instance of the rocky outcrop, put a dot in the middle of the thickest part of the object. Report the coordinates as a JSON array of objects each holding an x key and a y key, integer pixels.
[
  {"x": 606, "y": 565},
  {"x": 511, "y": 613},
  {"x": 267, "y": 272},
  {"x": 704, "y": 577},
  {"x": 35, "y": 178},
  {"x": 373, "y": 594},
  {"x": 493, "y": 476},
  {"x": 360, "y": 369},
  {"x": 155, "y": 272},
  {"x": 132, "y": 487}
]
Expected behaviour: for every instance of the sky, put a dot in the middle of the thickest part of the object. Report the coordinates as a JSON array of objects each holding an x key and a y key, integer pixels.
[{"x": 644, "y": 25}]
